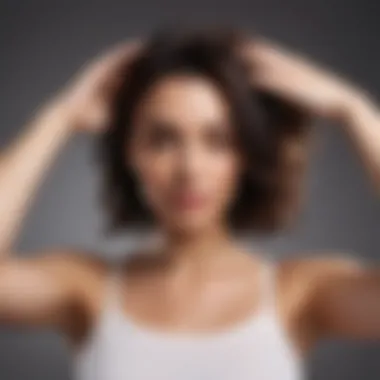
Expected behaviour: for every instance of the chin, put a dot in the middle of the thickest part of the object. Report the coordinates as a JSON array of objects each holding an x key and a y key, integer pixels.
[{"x": 190, "y": 225}]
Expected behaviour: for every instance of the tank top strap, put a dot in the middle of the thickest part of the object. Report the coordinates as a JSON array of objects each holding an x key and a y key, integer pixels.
[
  {"x": 268, "y": 276},
  {"x": 113, "y": 287}
]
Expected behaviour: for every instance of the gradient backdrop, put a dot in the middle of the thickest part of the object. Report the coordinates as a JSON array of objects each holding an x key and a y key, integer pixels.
[{"x": 43, "y": 42}]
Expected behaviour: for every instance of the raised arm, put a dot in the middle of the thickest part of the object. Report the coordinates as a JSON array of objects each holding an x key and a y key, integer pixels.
[
  {"x": 49, "y": 288},
  {"x": 334, "y": 297},
  {"x": 82, "y": 105},
  {"x": 23, "y": 165},
  {"x": 320, "y": 92}
]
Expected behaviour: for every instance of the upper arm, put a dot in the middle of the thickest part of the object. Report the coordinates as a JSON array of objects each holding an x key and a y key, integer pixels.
[
  {"x": 343, "y": 296},
  {"x": 42, "y": 290}
]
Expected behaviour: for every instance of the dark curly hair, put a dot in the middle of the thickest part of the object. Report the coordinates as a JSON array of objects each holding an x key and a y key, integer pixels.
[{"x": 266, "y": 126}]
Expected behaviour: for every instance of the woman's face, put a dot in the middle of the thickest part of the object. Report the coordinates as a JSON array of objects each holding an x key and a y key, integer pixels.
[{"x": 184, "y": 152}]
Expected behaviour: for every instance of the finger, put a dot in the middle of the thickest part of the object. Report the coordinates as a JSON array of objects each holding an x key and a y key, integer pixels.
[
  {"x": 115, "y": 63},
  {"x": 119, "y": 55}
]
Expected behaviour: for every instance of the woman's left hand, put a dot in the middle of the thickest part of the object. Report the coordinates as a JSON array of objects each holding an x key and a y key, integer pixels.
[
  {"x": 297, "y": 79},
  {"x": 321, "y": 93}
]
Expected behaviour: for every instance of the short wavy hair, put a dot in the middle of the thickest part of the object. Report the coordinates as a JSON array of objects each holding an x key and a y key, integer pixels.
[{"x": 266, "y": 126}]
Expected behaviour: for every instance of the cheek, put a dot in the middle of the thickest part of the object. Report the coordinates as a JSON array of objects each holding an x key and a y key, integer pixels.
[
  {"x": 224, "y": 174},
  {"x": 155, "y": 173}
]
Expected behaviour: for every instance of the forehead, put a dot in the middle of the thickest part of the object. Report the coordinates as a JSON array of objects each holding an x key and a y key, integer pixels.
[{"x": 184, "y": 98}]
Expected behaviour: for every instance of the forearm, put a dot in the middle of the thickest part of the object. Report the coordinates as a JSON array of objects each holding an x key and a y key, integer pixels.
[
  {"x": 24, "y": 163},
  {"x": 362, "y": 123}
]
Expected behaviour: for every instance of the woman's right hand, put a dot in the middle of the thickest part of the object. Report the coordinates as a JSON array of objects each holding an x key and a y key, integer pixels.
[
  {"x": 84, "y": 104},
  {"x": 86, "y": 99}
]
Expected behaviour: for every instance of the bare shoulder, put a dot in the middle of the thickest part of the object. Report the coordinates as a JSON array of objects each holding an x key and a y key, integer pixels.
[
  {"x": 300, "y": 279},
  {"x": 84, "y": 273},
  {"x": 315, "y": 267},
  {"x": 57, "y": 287},
  {"x": 56, "y": 265},
  {"x": 66, "y": 261},
  {"x": 300, "y": 276},
  {"x": 84, "y": 270}
]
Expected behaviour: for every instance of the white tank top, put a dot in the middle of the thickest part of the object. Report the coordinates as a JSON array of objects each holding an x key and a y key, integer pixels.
[{"x": 257, "y": 348}]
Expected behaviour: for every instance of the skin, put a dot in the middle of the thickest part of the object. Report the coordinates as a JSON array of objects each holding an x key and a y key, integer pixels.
[
  {"x": 188, "y": 166},
  {"x": 183, "y": 159}
]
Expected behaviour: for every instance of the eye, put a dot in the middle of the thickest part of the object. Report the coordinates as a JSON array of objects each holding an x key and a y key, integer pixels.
[
  {"x": 161, "y": 135},
  {"x": 219, "y": 138}
]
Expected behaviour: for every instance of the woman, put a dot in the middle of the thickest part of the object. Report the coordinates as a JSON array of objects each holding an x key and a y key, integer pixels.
[{"x": 203, "y": 135}]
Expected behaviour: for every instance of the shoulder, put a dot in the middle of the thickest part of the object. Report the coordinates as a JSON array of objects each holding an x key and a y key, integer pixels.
[
  {"x": 310, "y": 272},
  {"x": 68, "y": 259},
  {"x": 74, "y": 269},
  {"x": 305, "y": 284},
  {"x": 307, "y": 280},
  {"x": 83, "y": 275},
  {"x": 314, "y": 267}
]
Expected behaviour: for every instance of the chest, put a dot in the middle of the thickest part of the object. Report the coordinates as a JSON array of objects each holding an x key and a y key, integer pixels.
[{"x": 256, "y": 349}]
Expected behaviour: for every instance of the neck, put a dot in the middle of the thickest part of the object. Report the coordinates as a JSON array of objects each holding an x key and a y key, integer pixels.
[{"x": 197, "y": 247}]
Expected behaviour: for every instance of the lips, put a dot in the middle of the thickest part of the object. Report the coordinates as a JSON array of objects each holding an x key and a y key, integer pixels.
[{"x": 188, "y": 201}]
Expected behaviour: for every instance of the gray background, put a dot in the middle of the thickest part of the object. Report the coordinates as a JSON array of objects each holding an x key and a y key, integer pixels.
[{"x": 42, "y": 43}]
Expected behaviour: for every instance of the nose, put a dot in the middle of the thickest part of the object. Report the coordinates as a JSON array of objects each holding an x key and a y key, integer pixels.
[{"x": 190, "y": 162}]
